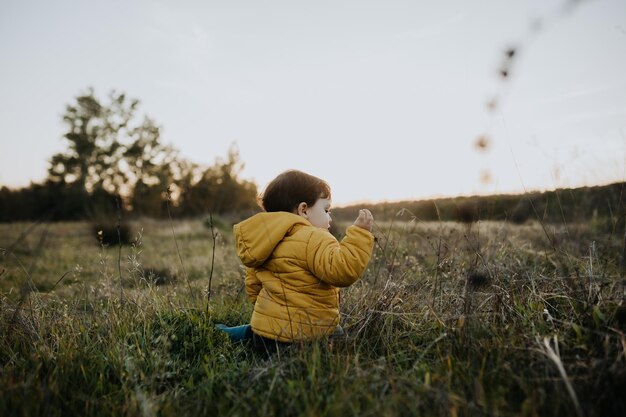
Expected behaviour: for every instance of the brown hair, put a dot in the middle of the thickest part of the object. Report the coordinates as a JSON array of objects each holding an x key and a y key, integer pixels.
[{"x": 291, "y": 188}]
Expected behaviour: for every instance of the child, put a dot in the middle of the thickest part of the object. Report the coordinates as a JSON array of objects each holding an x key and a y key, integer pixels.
[{"x": 294, "y": 266}]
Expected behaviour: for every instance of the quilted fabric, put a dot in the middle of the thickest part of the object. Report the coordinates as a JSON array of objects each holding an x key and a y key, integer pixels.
[{"x": 293, "y": 273}]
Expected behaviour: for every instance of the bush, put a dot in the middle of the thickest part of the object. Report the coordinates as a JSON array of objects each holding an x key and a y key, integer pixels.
[{"x": 111, "y": 234}]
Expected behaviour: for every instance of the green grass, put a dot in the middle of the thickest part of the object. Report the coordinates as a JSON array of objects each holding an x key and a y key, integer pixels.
[{"x": 448, "y": 320}]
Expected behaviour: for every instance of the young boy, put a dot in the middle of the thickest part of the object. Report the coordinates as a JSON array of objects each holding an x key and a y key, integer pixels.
[{"x": 294, "y": 266}]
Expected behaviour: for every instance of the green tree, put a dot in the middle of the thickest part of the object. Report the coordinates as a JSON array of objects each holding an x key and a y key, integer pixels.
[
  {"x": 217, "y": 189},
  {"x": 110, "y": 151}
]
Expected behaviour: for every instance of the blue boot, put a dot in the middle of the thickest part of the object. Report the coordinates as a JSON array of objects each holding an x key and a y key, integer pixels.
[{"x": 237, "y": 333}]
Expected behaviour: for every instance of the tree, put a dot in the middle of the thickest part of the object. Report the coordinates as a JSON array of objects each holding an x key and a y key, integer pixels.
[
  {"x": 217, "y": 189},
  {"x": 112, "y": 153},
  {"x": 109, "y": 151}
]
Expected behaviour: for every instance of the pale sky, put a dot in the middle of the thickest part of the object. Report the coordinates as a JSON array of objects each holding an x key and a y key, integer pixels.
[{"x": 383, "y": 99}]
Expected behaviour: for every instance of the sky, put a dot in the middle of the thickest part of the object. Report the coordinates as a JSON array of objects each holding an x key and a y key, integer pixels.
[{"x": 386, "y": 100}]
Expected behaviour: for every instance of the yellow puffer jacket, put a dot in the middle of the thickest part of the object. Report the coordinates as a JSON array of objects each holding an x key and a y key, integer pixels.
[{"x": 293, "y": 271}]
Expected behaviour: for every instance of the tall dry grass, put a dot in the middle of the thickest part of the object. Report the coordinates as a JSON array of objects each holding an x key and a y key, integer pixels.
[{"x": 449, "y": 319}]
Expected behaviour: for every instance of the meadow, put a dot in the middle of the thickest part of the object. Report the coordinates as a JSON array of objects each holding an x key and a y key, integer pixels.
[{"x": 450, "y": 319}]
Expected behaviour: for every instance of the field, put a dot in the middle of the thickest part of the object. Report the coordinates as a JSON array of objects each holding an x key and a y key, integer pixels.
[{"x": 449, "y": 319}]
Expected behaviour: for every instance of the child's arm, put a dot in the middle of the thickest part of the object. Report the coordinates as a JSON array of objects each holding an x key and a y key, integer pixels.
[
  {"x": 253, "y": 285},
  {"x": 340, "y": 263}
]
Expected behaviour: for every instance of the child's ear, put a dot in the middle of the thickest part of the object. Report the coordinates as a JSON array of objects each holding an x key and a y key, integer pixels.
[{"x": 301, "y": 210}]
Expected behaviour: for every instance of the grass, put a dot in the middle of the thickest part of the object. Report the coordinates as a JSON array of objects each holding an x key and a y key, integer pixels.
[{"x": 448, "y": 320}]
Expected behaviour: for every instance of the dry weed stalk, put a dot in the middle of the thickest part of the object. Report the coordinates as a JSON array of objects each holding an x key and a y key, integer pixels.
[
  {"x": 554, "y": 355},
  {"x": 180, "y": 258},
  {"x": 213, "y": 237}
]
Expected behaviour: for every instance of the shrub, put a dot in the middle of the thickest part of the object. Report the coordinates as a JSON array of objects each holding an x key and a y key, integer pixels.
[{"x": 111, "y": 234}]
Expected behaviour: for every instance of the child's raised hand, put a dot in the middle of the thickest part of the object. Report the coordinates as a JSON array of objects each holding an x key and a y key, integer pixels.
[{"x": 365, "y": 220}]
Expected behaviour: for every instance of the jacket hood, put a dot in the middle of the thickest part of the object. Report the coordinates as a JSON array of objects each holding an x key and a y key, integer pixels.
[{"x": 256, "y": 237}]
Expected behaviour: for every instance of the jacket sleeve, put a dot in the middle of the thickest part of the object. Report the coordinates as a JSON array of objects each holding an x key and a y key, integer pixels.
[
  {"x": 340, "y": 263},
  {"x": 253, "y": 285}
]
